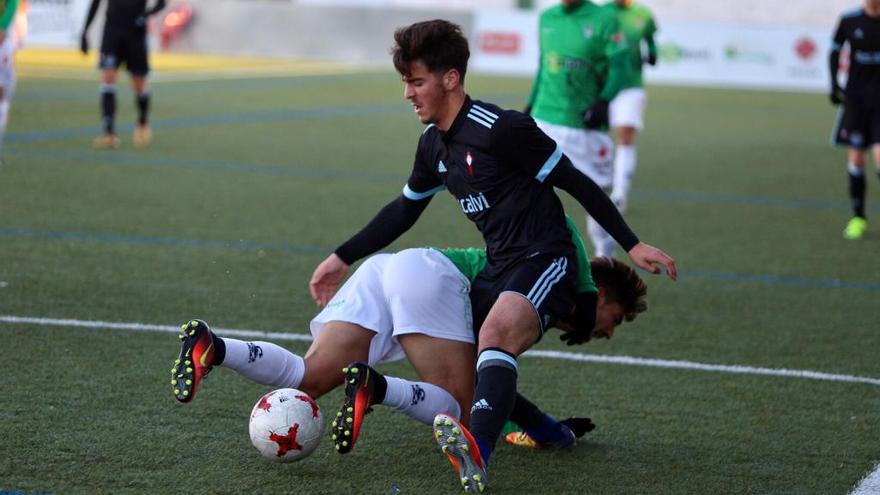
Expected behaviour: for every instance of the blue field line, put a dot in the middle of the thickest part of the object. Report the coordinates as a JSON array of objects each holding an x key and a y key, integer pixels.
[
  {"x": 777, "y": 280},
  {"x": 258, "y": 117},
  {"x": 18, "y": 233},
  {"x": 132, "y": 159},
  {"x": 292, "y": 170},
  {"x": 716, "y": 198},
  {"x": 160, "y": 241}
]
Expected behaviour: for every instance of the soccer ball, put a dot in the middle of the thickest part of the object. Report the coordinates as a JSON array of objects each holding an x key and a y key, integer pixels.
[{"x": 286, "y": 425}]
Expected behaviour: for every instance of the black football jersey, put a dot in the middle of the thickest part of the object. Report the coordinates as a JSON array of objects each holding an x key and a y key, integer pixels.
[
  {"x": 494, "y": 163},
  {"x": 862, "y": 32}
]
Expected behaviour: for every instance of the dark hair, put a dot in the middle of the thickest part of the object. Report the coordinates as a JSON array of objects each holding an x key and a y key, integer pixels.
[
  {"x": 622, "y": 285},
  {"x": 439, "y": 44}
]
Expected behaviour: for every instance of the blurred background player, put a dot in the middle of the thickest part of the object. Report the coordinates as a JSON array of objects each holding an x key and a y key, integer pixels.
[
  {"x": 124, "y": 41},
  {"x": 858, "y": 121},
  {"x": 583, "y": 61},
  {"x": 8, "y": 44},
  {"x": 627, "y": 110}
]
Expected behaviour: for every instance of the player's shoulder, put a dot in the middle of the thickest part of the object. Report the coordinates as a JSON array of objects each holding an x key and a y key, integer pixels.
[
  {"x": 550, "y": 13},
  {"x": 642, "y": 9},
  {"x": 852, "y": 13},
  {"x": 429, "y": 138},
  {"x": 606, "y": 13}
]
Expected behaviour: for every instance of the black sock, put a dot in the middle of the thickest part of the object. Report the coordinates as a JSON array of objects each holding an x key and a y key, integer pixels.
[
  {"x": 143, "y": 105},
  {"x": 525, "y": 414},
  {"x": 380, "y": 386},
  {"x": 108, "y": 109},
  {"x": 857, "y": 193},
  {"x": 494, "y": 398},
  {"x": 219, "y": 349}
]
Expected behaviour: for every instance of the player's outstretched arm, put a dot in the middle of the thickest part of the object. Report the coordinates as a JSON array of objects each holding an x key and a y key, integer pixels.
[
  {"x": 326, "y": 279},
  {"x": 650, "y": 259},
  {"x": 84, "y": 38}
]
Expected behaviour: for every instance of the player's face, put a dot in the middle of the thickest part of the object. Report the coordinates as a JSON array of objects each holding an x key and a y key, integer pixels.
[
  {"x": 425, "y": 91},
  {"x": 609, "y": 315}
]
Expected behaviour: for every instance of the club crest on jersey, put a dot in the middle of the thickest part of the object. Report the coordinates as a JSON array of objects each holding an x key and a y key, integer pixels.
[
  {"x": 474, "y": 204},
  {"x": 469, "y": 159},
  {"x": 588, "y": 32},
  {"x": 859, "y": 33},
  {"x": 441, "y": 168}
]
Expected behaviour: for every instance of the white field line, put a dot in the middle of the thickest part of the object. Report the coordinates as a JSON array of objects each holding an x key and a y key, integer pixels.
[
  {"x": 568, "y": 356},
  {"x": 870, "y": 484}
]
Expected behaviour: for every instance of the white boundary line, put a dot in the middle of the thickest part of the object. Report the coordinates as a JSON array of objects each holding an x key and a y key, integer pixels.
[
  {"x": 870, "y": 484},
  {"x": 568, "y": 356}
]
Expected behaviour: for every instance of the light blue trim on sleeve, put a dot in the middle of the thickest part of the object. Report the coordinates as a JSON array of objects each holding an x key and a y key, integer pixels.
[
  {"x": 549, "y": 165},
  {"x": 418, "y": 196}
]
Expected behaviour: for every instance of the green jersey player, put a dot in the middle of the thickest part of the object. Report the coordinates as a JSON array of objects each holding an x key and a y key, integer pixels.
[
  {"x": 583, "y": 66},
  {"x": 628, "y": 108}
]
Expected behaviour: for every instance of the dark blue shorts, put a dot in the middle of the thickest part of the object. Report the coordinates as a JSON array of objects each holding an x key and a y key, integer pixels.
[{"x": 547, "y": 280}]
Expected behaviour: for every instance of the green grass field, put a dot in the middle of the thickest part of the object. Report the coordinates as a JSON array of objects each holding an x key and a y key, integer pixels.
[{"x": 251, "y": 182}]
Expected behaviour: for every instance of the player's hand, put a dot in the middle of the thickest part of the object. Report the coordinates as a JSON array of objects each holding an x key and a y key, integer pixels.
[
  {"x": 648, "y": 258},
  {"x": 84, "y": 44},
  {"x": 326, "y": 279},
  {"x": 576, "y": 337},
  {"x": 836, "y": 96},
  {"x": 597, "y": 115},
  {"x": 652, "y": 59},
  {"x": 579, "y": 426}
]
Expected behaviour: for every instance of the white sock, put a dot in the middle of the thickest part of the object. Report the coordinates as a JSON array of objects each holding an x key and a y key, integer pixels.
[
  {"x": 603, "y": 243},
  {"x": 624, "y": 169},
  {"x": 419, "y": 400},
  {"x": 264, "y": 362}
]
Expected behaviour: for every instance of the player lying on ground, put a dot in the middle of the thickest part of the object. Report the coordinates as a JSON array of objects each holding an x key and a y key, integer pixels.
[{"x": 378, "y": 317}]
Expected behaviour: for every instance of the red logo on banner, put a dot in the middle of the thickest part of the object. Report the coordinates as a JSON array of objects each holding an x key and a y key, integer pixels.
[
  {"x": 805, "y": 48},
  {"x": 500, "y": 43}
]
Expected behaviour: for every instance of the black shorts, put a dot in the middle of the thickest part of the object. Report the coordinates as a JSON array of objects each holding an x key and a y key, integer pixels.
[
  {"x": 547, "y": 280},
  {"x": 129, "y": 48},
  {"x": 857, "y": 126}
]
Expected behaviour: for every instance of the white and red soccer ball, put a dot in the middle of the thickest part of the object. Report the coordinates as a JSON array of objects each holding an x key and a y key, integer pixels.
[{"x": 286, "y": 425}]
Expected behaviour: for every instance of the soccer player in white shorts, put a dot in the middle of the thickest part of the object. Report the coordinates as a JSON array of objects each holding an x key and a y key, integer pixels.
[
  {"x": 379, "y": 315},
  {"x": 591, "y": 152},
  {"x": 626, "y": 115}
]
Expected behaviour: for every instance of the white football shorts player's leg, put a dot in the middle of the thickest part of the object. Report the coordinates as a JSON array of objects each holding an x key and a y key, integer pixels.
[{"x": 627, "y": 109}]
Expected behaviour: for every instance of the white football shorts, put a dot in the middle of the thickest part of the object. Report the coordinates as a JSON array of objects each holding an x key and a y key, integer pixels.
[
  {"x": 627, "y": 109},
  {"x": 591, "y": 152},
  {"x": 412, "y": 291}
]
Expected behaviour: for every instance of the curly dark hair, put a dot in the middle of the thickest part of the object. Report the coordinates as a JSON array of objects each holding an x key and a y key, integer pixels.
[
  {"x": 439, "y": 44},
  {"x": 622, "y": 285}
]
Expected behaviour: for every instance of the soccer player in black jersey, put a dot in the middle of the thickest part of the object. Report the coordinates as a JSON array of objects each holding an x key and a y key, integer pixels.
[
  {"x": 124, "y": 41},
  {"x": 858, "y": 122},
  {"x": 502, "y": 170}
]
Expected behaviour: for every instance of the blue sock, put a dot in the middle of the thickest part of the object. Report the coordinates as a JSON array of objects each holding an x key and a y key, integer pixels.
[
  {"x": 549, "y": 431},
  {"x": 485, "y": 450}
]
